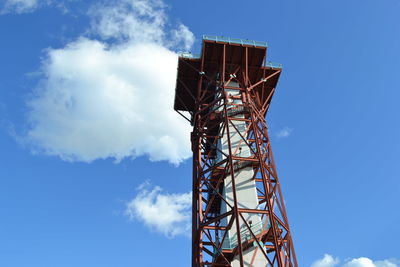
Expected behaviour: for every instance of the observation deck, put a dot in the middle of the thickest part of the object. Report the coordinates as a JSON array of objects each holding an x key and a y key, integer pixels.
[{"x": 192, "y": 66}]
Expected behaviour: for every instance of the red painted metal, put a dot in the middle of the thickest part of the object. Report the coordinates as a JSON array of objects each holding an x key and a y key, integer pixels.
[{"x": 201, "y": 91}]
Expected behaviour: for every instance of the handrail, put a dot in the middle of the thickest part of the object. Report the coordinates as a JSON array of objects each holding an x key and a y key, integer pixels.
[
  {"x": 188, "y": 55},
  {"x": 234, "y": 40},
  {"x": 273, "y": 65}
]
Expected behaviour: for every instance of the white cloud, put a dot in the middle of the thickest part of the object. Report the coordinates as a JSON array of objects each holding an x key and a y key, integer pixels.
[
  {"x": 138, "y": 21},
  {"x": 366, "y": 262},
  {"x": 20, "y": 6},
  {"x": 184, "y": 35},
  {"x": 99, "y": 100},
  {"x": 135, "y": 20},
  {"x": 169, "y": 214},
  {"x": 329, "y": 261},
  {"x": 360, "y": 262},
  {"x": 326, "y": 261},
  {"x": 285, "y": 132}
]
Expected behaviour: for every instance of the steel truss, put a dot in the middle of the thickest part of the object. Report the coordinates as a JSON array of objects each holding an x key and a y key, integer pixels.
[{"x": 215, "y": 115}]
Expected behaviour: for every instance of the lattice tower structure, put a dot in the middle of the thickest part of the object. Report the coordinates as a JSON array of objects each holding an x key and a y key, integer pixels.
[{"x": 238, "y": 216}]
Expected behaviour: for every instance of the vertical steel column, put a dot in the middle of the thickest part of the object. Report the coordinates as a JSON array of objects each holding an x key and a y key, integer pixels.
[{"x": 196, "y": 188}]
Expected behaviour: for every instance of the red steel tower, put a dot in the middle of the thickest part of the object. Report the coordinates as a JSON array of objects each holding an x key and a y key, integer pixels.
[{"x": 239, "y": 217}]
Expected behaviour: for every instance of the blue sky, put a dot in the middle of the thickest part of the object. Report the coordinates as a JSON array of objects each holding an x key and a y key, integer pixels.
[{"x": 95, "y": 166}]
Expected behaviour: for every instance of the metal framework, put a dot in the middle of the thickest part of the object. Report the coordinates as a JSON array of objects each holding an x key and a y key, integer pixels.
[{"x": 226, "y": 93}]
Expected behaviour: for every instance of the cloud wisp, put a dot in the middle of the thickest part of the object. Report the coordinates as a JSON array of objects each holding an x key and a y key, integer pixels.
[
  {"x": 285, "y": 132},
  {"x": 329, "y": 261},
  {"x": 112, "y": 97},
  {"x": 168, "y": 214},
  {"x": 326, "y": 261},
  {"x": 20, "y": 6}
]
